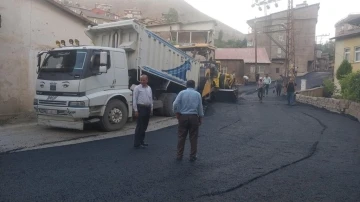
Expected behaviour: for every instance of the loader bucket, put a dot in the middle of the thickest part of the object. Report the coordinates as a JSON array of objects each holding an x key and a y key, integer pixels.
[{"x": 226, "y": 95}]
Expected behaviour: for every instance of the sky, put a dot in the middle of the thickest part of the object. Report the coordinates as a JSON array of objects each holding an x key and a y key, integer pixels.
[{"x": 235, "y": 13}]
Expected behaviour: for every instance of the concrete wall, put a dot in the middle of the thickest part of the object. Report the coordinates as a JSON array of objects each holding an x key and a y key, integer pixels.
[
  {"x": 29, "y": 26},
  {"x": 250, "y": 67},
  {"x": 234, "y": 66},
  {"x": 340, "y": 46},
  {"x": 305, "y": 28},
  {"x": 315, "y": 92}
]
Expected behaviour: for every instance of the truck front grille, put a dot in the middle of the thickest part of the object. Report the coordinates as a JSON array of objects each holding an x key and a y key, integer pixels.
[{"x": 52, "y": 103}]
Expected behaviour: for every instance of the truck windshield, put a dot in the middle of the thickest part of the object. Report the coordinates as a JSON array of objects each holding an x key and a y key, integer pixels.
[{"x": 64, "y": 61}]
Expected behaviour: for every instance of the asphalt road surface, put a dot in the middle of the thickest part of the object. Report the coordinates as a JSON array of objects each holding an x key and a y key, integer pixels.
[{"x": 248, "y": 151}]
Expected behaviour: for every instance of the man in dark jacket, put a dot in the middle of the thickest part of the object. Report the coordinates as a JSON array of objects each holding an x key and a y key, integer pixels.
[{"x": 290, "y": 89}]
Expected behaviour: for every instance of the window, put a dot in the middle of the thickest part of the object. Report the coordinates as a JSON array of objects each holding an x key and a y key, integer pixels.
[
  {"x": 252, "y": 69},
  {"x": 95, "y": 60},
  {"x": 347, "y": 54},
  {"x": 277, "y": 70},
  {"x": 261, "y": 69},
  {"x": 357, "y": 54},
  {"x": 279, "y": 51}
]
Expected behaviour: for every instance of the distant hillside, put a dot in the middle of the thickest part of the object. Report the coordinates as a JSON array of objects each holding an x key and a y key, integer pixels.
[{"x": 154, "y": 9}]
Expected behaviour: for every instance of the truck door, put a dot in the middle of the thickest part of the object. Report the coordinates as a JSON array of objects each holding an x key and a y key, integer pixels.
[
  {"x": 97, "y": 84},
  {"x": 121, "y": 70}
]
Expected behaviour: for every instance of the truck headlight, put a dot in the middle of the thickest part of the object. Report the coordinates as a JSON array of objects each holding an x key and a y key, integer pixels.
[
  {"x": 77, "y": 104},
  {"x": 35, "y": 102}
]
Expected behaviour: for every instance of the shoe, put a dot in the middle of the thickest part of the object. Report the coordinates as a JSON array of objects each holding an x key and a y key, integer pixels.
[
  {"x": 192, "y": 159},
  {"x": 139, "y": 147},
  {"x": 144, "y": 144},
  {"x": 179, "y": 159}
]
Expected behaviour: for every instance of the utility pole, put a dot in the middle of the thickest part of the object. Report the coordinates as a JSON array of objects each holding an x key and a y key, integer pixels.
[
  {"x": 290, "y": 42},
  {"x": 255, "y": 45}
]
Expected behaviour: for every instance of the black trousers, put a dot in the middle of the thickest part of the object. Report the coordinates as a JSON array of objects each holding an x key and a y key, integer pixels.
[
  {"x": 278, "y": 90},
  {"x": 142, "y": 124},
  {"x": 267, "y": 89},
  {"x": 260, "y": 93}
]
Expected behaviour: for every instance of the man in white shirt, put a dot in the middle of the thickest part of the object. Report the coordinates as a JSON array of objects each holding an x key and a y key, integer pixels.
[
  {"x": 143, "y": 107},
  {"x": 267, "y": 82}
]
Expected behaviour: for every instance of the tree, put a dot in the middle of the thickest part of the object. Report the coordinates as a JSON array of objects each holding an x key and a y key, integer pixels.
[
  {"x": 350, "y": 85},
  {"x": 172, "y": 16},
  {"x": 344, "y": 69},
  {"x": 221, "y": 35},
  {"x": 328, "y": 47}
]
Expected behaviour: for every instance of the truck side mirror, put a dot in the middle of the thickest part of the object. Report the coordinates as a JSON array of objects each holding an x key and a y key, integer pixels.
[{"x": 103, "y": 62}]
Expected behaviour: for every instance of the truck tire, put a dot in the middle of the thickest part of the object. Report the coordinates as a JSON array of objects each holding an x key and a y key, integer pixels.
[
  {"x": 167, "y": 100},
  {"x": 115, "y": 116}
]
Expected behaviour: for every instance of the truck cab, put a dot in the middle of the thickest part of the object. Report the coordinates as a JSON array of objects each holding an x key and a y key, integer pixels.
[{"x": 83, "y": 84}]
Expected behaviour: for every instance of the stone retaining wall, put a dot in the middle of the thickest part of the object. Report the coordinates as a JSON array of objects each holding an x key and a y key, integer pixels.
[{"x": 331, "y": 104}]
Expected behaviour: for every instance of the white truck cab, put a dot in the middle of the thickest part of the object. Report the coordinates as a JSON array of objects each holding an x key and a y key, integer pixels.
[
  {"x": 84, "y": 83},
  {"x": 80, "y": 84}
]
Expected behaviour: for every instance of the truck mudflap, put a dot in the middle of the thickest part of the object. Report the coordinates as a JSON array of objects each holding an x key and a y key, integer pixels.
[
  {"x": 226, "y": 95},
  {"x": 59, "y": 122}
]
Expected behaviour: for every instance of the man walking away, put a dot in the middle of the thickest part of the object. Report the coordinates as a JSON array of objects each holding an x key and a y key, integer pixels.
[
  {"x": 278, "y": 87},
  {"x": 290, "y": 89},
  {"x": 189, "y": 112},
  {"x": 267, "y": 82},
  {"x": 143, "y": 107},
  {"x": 260, "y": 88}
]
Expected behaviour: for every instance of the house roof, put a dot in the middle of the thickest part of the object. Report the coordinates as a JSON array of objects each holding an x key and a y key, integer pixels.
[
  {"x": 352, "y": 18},
  {"x": 95, "y": 13},
  {"x": 353, "y": 33},
  {"x": 64, "y": 8},
  {"x": 185, "y": 23},
  {"x": 246, "y": 54}
]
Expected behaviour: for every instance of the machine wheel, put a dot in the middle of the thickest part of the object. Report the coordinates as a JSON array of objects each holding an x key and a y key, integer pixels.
[
  {"x": 167, "y": 100},
  {"x": 115, "y": 116}
]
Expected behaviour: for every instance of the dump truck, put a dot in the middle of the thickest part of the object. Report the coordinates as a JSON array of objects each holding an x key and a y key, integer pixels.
[{"x": 79, "y": 84}]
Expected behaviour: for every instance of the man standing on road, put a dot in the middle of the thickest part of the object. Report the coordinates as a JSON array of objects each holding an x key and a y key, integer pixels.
[
  {"x": 290, "y": 89},
  {"x": 278, "y": 86},
  {"x": 143, "y": 107},
  {"x": 267, "y": 82},
  {"x": 189, "y": 112},
  {"x": 260, "y": 89}
]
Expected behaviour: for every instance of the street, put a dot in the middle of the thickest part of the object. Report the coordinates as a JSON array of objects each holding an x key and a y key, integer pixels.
[{"x": 248, "y": 151}]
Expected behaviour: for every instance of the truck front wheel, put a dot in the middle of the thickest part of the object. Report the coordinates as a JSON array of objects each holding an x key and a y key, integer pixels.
[{"x": 115, "y": 116}]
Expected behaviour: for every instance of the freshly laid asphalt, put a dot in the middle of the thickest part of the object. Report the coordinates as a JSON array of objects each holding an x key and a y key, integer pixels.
[{"x": 248, "y": 151}]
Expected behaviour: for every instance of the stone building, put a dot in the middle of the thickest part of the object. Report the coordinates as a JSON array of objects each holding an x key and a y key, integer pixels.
[
  {"x": 305, "y": 20},
  {"x": 28, "y": 27}
]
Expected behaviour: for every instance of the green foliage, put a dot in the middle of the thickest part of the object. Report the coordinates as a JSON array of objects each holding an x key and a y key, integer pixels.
[
  {"x": 328, "y": 47},
  {"x": 344, "y": 69},
  {"x": 329, "y": 87},
  {"x": 350, "y": 86},
  {"x": 231, "y": 43},
  {"x": 172, "y": 16}
]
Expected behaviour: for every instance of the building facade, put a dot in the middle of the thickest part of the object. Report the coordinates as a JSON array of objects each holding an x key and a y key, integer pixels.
[
  {"x": 347, "y": 43},
  {"x": 28, "y": 27},
  {"x": 274, "y": 26},
  {"x": 232, "y": 57}
]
